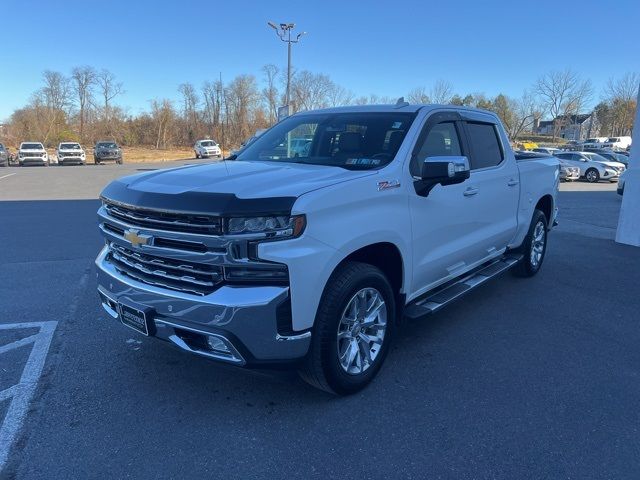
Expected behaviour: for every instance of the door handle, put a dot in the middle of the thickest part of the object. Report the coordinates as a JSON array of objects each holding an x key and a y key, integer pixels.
[
  {"x": 513, "y": 182},
  {"x": 470, "y": 191}
]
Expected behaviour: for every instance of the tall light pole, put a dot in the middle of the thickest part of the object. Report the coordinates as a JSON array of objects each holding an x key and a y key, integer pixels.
[{"x": 284, "y": 33}]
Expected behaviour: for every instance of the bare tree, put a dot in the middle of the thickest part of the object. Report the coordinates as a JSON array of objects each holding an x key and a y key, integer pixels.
[
  {"x": 338, "y": 96},
  {"x": 109, "y": 89},
  {"x": 418, "y": 95},
  {"x": 163, "y": 116},
  {"x": 310, "y": 90},
  {"x": 190, "y": 102},
  {"x": 442, "y": 92},
  {"x": 270, "y": 91},
  {"x": 241, "y": 102},
  {"x": 212, "y": 96},
  {"x": 83, "y": 80},
  {"x": 563, "y": 94},
  {"x": 620, "y": 98},
  {"x": 54, "y": 100}
]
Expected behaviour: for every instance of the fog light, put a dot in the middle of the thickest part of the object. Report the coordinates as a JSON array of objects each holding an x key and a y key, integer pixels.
[{"x": 216, "y": 344}]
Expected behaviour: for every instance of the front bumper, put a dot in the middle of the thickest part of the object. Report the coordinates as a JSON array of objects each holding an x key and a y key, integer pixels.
[
  {"x": 33, "y": 161},
  {"x": 244, "y": 318},
  {"x": 77, "y": 160}
]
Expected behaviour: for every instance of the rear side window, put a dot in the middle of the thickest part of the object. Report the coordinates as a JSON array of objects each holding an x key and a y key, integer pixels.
[{"x": 485, "y": 146}]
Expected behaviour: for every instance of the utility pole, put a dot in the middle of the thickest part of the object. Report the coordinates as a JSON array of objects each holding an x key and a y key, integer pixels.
[{"x": 284, "y": 33}]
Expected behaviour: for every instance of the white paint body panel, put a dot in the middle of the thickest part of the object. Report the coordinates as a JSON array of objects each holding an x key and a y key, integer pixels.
[{"x": 439, "y": 237}]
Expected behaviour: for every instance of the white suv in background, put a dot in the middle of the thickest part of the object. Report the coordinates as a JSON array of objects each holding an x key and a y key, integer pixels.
[
  {"x": 32, "y": 153},
  {"x": 70, "y": 152},
  {"x": 207, "y": 148}
]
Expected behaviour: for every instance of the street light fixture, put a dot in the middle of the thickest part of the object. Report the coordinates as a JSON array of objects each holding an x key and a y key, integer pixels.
[{"x": 284, "y": 33}]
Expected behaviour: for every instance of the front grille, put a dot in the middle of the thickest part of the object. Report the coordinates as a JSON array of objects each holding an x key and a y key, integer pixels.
[
  {"x": 197, "y": 278},
  {"x": 175, "y": 222}
]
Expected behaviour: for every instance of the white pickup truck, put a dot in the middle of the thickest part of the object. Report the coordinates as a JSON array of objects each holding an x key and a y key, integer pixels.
[{"x": 313, "y": 259}]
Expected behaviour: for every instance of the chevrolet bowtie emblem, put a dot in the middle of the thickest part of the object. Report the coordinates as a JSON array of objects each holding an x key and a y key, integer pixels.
[{"x": 135, "y": 238}]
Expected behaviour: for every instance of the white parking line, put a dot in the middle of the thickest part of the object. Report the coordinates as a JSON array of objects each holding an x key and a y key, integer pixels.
[
  {"x": 5, "y": 176},
  {"x": 21, "y": 393}
]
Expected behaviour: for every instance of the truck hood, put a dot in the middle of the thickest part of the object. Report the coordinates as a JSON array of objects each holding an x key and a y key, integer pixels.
[
  {"x": 70, "y": 150},
  {"x": 229, "y": 187}
]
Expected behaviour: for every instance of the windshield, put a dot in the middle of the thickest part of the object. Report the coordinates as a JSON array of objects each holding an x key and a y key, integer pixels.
[
  {"x": 347, "y": 140},
  {"x": 69, "y": 146},
  {"x": 613, "y": 139},
  {"x": 1, "y": 146},
  {"x": 596, "y": 158},
  {"x": 208, "y": 143},
  {"x": 106, "y": 145},
  {"x": 32, "y": 146}
]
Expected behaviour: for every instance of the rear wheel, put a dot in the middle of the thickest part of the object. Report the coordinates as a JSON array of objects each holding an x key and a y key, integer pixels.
[
  {"x": 353, "y": 329},
  {"x": 534, "y": 247},
  {"x": 592, "y": 175}
]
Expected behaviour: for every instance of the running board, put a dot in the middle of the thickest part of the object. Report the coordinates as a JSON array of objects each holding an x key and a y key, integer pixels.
[{"x": 434, "y": 301}]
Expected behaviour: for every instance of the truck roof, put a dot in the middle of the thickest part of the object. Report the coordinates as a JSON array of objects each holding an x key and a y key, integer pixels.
[{"x": 390, "y": 108}]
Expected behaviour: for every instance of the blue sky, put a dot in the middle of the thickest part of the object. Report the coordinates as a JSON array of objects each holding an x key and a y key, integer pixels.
[{"x": 386, "y": 48}]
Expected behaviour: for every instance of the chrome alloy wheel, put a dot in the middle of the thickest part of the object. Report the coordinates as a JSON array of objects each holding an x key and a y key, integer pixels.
[
  {"x": 537, "y": 245},
  {"x": 361, "y": 331},
  {"x": 592, "y": 176}
]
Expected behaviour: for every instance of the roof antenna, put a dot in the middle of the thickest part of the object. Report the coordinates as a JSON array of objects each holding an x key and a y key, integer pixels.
[{"x": 401, "y": 103}]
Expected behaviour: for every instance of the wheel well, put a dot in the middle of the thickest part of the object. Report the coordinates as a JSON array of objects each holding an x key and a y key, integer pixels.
[
  {"x": 545, "y": 205},
  {"x": 386, "y": 257}
]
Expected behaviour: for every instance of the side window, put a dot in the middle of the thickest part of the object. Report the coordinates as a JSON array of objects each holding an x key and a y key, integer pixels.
[
  {"x": 442, "y": 140},
  {"x": 484, "y": 144}
]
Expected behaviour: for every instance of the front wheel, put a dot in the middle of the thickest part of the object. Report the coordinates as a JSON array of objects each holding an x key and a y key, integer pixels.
[
  {"x": 353, "y": 329},
  {"x": 592, "y": 175},
  {"x": 534, "y": 247}
]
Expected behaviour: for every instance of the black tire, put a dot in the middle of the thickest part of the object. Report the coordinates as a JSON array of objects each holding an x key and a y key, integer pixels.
[
  {"x": 197, "y": 155},
  {"x": 120, "y": 162},
  {"x": 96, "y": 161},
  {"x": 592, "y": 175},
  {"x": 321, "y": 367},
  {"x": 527, "y": 267}
]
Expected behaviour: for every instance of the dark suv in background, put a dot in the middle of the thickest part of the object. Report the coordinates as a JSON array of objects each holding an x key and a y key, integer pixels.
[
  {"x": 107, "y": 151},
  {"x": 4, "y": 156}
]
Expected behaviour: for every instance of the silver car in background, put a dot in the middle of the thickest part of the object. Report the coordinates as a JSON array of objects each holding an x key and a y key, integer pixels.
[
  {"x": 591, "y": 171},
  {"x": 568, "y": 173}
]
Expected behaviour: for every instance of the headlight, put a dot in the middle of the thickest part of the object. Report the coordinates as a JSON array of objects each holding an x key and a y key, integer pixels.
[{"x": 270, "y": 226}]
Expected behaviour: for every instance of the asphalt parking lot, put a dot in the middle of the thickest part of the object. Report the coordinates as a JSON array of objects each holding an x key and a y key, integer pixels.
[{"x": 523, "y": 378}]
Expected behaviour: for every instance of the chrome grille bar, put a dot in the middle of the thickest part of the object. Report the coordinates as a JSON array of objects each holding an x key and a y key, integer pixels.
[{"x": 199, "y": 224}]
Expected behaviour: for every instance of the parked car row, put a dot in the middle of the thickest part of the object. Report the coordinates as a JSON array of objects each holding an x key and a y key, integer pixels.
[
  {"x": 593, "y": 167},
  {"x": 67, "y": 153},
  {"x": 589, "y": 166}
]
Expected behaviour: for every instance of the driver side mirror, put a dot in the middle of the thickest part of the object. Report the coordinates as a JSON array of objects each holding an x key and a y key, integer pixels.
[{"x": 443, "y": 170}]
